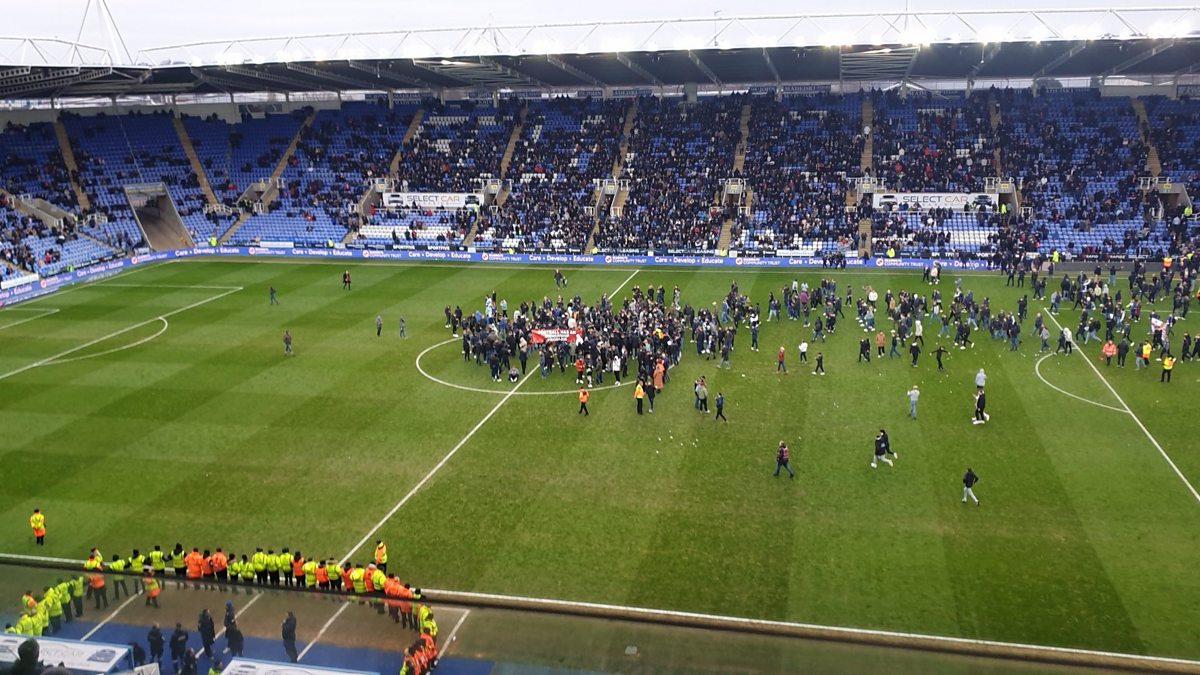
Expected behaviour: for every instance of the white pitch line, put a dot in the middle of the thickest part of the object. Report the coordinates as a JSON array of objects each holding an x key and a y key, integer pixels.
[
  {"x": 481, "y": 390},
  {"x": 1191, "y": 488},
  {"x": 453, "y": 451},
  {"x": 437, "y": 467},
  {"x": 453, "y": 633},
  {"x": 114, "y": 350},
  {"x": 90, "y": 282},
  {"x": 123, "y": 605},
  {"x": 113, "y": 334},
  {"x": 110, "y": 617},
  {"x": 615, "y": 610},
  {"x": 322, "y": 631},
  {"x": 1037, "y": 369},
  {"x": 44, "y": 313},
  {"x": 113, "y": 284}
]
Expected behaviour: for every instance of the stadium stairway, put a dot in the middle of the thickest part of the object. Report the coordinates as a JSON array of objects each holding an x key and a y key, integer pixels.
[
  {"x": 739, "y": 163},
  {"x": 371, "y": 196},
  {"x": 190, "y": 150},
  {"x": 994, "y": 117},
  {"x": 413, "y": 128},
  {"x": 1152, "y": 160},
  {"x": 505, "y": 160},
  {"x": 64, "y": 146},
  {"x": 512, "y": 146},
  {"x": 739, "y": 155},
  {"x": 630, "y": 116},
  {"x": 618, "y": 165},
  {"x": 868, "y": 118},
  {"x": 273, "y": 182}
]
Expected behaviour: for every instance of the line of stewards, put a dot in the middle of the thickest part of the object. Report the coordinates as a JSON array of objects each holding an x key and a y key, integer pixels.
[{"x": 60, "y": 602}]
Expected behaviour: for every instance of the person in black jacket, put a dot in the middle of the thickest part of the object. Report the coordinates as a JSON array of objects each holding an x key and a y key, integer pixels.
[
  {"x": 190, "y": 664},
  {"x": 980, "y": 403},
  {"x": 234, "y": 639},
  {"x": 208, "y": 631},
  {"x": 137, "y": 655},
  {"x": 155, "y": 639},
  {"x": 969, "y": 480},
  {"x": 179, "y": 641},
  {"x": 289, "y": 637}
]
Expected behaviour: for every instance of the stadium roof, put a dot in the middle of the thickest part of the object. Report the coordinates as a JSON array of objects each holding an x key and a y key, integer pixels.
[{"x": 715, "y": 51}]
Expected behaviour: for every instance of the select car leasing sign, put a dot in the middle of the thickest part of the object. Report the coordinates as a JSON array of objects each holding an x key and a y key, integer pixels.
[
  {"x": 932, "y": 200},
  {"x": 430, "y": 200}
]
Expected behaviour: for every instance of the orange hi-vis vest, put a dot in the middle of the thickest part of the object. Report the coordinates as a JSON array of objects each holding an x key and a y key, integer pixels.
[
  {"x": 583, "y": 395},
  {"x": 194, "y": 562},
  {"x": 297, "y": 567}
]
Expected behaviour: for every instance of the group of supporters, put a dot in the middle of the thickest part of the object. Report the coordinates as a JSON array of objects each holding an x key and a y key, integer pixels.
[{"x": 642, "y": 334}]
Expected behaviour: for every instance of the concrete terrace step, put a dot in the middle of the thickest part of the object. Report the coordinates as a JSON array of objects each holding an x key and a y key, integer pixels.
[
  {"x": 190, "y": 150},
  {"x": 68, "y": 153}
]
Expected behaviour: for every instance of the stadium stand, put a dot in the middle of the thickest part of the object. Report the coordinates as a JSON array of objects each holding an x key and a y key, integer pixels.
[
  {"x": 927, "y": 143},
  {"x": 456, "y": 143},
  {"x": 1078, "y": 158},
  {"x": 800, "y": 152},
  {"x": 565, "y": 144},
  {"x": 1080, "y": 163},
  {"x": 682, "y": 151},
  {"x": 33, "y": 164}
]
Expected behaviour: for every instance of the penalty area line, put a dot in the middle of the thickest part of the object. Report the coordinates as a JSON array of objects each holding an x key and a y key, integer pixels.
[
  {"x": 1129, "y": 411},
  {"x": 102, "y": 338}
]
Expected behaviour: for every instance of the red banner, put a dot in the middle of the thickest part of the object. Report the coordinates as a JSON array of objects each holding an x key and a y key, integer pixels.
[{"x": 541, "y": 335}]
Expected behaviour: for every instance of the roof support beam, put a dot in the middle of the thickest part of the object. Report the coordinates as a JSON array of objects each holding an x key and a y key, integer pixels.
[
  {"x": 1149, "y": 53},
  {"x": 256, "y": 74},
  {"x": 512, "y": 72},
  {"x": 1060, "y": 59},
  {"x": 771, "y": 65},
  {"x": 14, "y": 72},
  {"x": 704, "y": 68},
  {"x": 384, "y": 73},
  {"x": 64, "y": 77},
  {"x": 216, "y": 81},
  {"x": 638, "y": 70},
  {"x": 1185, "y": 71},
  {"x": 572, "y": 70},
  {"x": 318, "y": 74},
  {"x": 990, "y": 52},
  {"x": 457, "y": 78}
]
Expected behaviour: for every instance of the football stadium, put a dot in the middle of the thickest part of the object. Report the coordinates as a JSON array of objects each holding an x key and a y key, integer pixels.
[{"x": 496, "y": 338}]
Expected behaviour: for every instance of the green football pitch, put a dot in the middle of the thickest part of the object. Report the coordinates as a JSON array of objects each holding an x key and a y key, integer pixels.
[{"x": 157, "y": 406}]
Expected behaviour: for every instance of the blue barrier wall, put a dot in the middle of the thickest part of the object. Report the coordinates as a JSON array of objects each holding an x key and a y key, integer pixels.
[{"x": 51, "y": 284}]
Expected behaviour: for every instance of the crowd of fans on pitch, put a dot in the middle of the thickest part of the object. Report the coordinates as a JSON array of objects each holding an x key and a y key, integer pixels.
[
  {"x": 642, "y": 335},
  {"x": 1078, "y": 159}
]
